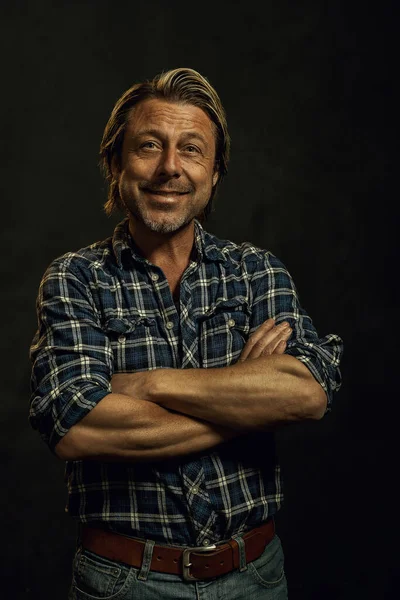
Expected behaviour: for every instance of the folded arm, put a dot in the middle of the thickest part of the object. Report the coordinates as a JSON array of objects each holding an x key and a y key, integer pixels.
[
  {"x": 123, "y": 428},
  {"x": 128, "y": 426},
  {"x": 261, "y": 394},
  {"x": 166, "y": 412},
  {"x": 261, "y": 391}
]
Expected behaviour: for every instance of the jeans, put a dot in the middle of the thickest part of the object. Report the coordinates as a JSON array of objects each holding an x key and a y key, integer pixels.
[{"x": 98, "y": 577}]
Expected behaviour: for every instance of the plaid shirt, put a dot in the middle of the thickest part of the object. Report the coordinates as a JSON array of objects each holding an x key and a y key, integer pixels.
[{"x": 104, "y": 310}]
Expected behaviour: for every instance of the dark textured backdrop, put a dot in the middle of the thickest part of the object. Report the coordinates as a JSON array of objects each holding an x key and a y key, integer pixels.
[{"x": 308, "y": 92}]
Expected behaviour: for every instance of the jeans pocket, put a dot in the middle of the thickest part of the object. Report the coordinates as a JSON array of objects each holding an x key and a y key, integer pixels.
[
  {"x": 268, "y": 569},
  {"x": 98, "y": 577}
]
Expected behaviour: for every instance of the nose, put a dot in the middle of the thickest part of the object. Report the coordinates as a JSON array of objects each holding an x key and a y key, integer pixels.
[{"x": 170, "y": 163}]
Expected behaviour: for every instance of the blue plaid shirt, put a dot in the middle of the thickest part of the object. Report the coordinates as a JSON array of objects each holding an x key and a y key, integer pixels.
[{"x": 104, "y": 310}]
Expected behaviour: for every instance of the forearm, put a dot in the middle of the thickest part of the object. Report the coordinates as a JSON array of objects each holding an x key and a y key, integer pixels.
[
  {"x": 255, "y": 394},
  {"x": 123, "y": 428}
]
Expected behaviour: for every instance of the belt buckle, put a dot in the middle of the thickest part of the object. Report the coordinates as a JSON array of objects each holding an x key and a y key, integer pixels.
[{"x": 186, "y": 564}]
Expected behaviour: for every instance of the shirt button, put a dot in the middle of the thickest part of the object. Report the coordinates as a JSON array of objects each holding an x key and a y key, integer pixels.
[
  {"x": 169, "y": 325},
  {"x": 121, "y": 339},
  {"x": 231, "y": 323},
  {"x": 195, "y": 490},
  {"x": 206, "y": 542},
  {"x": 155, "y": 277}
]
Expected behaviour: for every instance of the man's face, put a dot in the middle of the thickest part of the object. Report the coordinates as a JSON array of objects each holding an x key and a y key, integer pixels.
[{"x": 167, "y": 164}]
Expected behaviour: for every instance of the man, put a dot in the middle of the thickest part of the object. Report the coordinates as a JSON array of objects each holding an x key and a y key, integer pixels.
[{"x": 164, "y": 359}]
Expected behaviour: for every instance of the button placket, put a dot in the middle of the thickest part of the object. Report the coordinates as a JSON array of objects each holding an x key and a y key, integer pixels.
[{"x": 189, "y": 270}]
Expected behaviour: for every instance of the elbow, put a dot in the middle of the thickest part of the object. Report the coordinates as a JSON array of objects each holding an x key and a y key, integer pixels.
[
  {"x": 61, "y": 451},
  {"x": 318, "y": 401},
  {"x": 65, "y": 449}
]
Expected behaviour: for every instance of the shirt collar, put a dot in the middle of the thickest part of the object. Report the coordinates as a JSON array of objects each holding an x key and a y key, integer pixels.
[{"x": 204, "y": 244}]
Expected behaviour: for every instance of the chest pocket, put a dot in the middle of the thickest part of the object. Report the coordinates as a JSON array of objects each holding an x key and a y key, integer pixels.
[
  {"x": 224, "y": 330},
  {"x": 132, "y": 342}
]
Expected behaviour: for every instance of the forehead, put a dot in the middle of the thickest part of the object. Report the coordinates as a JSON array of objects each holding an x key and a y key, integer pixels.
[{"x": 167, "y": 116}]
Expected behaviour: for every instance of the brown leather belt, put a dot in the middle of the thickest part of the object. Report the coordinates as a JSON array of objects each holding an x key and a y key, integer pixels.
[{"x": 191, "y": 563}]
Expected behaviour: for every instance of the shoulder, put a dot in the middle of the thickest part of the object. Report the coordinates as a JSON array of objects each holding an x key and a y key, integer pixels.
[
  {"x": 82, "y": 262},
  {"x": 244, "y": 254}
]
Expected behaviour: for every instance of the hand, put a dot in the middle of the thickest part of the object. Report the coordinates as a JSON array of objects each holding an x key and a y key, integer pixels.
[{"x": 266, "y": 340}]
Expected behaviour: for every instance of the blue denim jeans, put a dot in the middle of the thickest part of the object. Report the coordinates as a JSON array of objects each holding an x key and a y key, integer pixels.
[{"x": 97, "y": 577}]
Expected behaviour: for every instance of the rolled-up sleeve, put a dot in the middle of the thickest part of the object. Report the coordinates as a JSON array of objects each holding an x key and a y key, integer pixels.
[
  {"x": 71, "y": 355},
  {"x": 275, "y": 295}
]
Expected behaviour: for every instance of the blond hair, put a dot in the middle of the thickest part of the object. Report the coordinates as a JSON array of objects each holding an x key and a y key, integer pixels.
[{"x": 178, "y": 85}]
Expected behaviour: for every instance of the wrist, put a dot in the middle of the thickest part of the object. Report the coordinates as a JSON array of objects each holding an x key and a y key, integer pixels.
[
  {"x": 135, "y": 385},
  {"x": 158, "y": 385}
]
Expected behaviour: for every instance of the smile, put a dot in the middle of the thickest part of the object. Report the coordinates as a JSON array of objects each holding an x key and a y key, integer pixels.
[{"x": 166, "y": 192}]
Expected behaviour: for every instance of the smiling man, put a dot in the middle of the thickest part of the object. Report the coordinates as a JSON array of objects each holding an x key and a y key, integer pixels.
[
  {"x": 164, "y": 359},
  {"x": 168, "y": 166}
]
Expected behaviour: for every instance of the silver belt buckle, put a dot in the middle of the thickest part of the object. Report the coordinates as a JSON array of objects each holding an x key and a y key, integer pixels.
[{"x": 186, "y": 564}]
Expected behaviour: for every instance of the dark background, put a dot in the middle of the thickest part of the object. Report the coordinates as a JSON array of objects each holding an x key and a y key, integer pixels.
[{"x": 308, "y": 89}]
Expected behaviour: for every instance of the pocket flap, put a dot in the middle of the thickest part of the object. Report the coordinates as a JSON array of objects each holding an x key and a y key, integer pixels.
[
  {"x": 118, "y": 325},
  {"x": 238, "y": 303}
]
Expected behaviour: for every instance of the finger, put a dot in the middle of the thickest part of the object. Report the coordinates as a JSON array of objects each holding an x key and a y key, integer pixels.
[
  {"x": 263, "y": 329},
  {"x": 258, "y": 343},
  {"x": 268, "y": 325},
  {"x": 271, "y": 347},
  {"x": 280, "y": 348},
  {"x": 267, "y": 342}
]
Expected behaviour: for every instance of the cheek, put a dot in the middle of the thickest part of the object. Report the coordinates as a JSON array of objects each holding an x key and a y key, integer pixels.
[
  {"x": 127, "y": 188},
  {"x": 137, "y": 167},
  {"x": 202, "y": 174}
]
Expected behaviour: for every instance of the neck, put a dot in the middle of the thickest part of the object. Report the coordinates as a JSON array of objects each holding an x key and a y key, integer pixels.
[{"x": 161, "y": 249}]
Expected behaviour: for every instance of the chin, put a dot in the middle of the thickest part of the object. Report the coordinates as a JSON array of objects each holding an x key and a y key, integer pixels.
[{"x": 162, "y": 225}]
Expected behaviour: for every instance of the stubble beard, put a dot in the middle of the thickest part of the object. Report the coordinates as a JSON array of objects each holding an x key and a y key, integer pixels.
[
  {"x": 163, "y": 225},
  {"x": 138, "y": 210}
]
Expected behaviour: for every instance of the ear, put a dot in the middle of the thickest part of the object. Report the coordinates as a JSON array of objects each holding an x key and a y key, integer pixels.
[{"x": 215, "y": 178}]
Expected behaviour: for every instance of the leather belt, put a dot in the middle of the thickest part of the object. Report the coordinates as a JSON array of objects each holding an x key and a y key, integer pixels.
[{"x": 192, "y": 564}]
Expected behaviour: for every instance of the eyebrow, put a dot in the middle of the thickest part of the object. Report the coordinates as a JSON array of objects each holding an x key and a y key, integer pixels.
[{"x": 185, "y": 135}]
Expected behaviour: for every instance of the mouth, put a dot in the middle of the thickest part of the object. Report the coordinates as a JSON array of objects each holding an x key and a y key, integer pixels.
[
  {"x": 165, "y": 192},
  {"x": 165, "y": 197}
]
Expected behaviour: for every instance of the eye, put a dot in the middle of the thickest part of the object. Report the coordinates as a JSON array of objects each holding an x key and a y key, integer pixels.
[
  {"x": 148, "y": 145},
  {"x": 192, "y": 149}
]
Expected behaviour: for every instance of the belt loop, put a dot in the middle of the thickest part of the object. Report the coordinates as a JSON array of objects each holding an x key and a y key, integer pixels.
[
  {"x": 242, "y": 552},
  {"x": 146, "y": 562}
]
